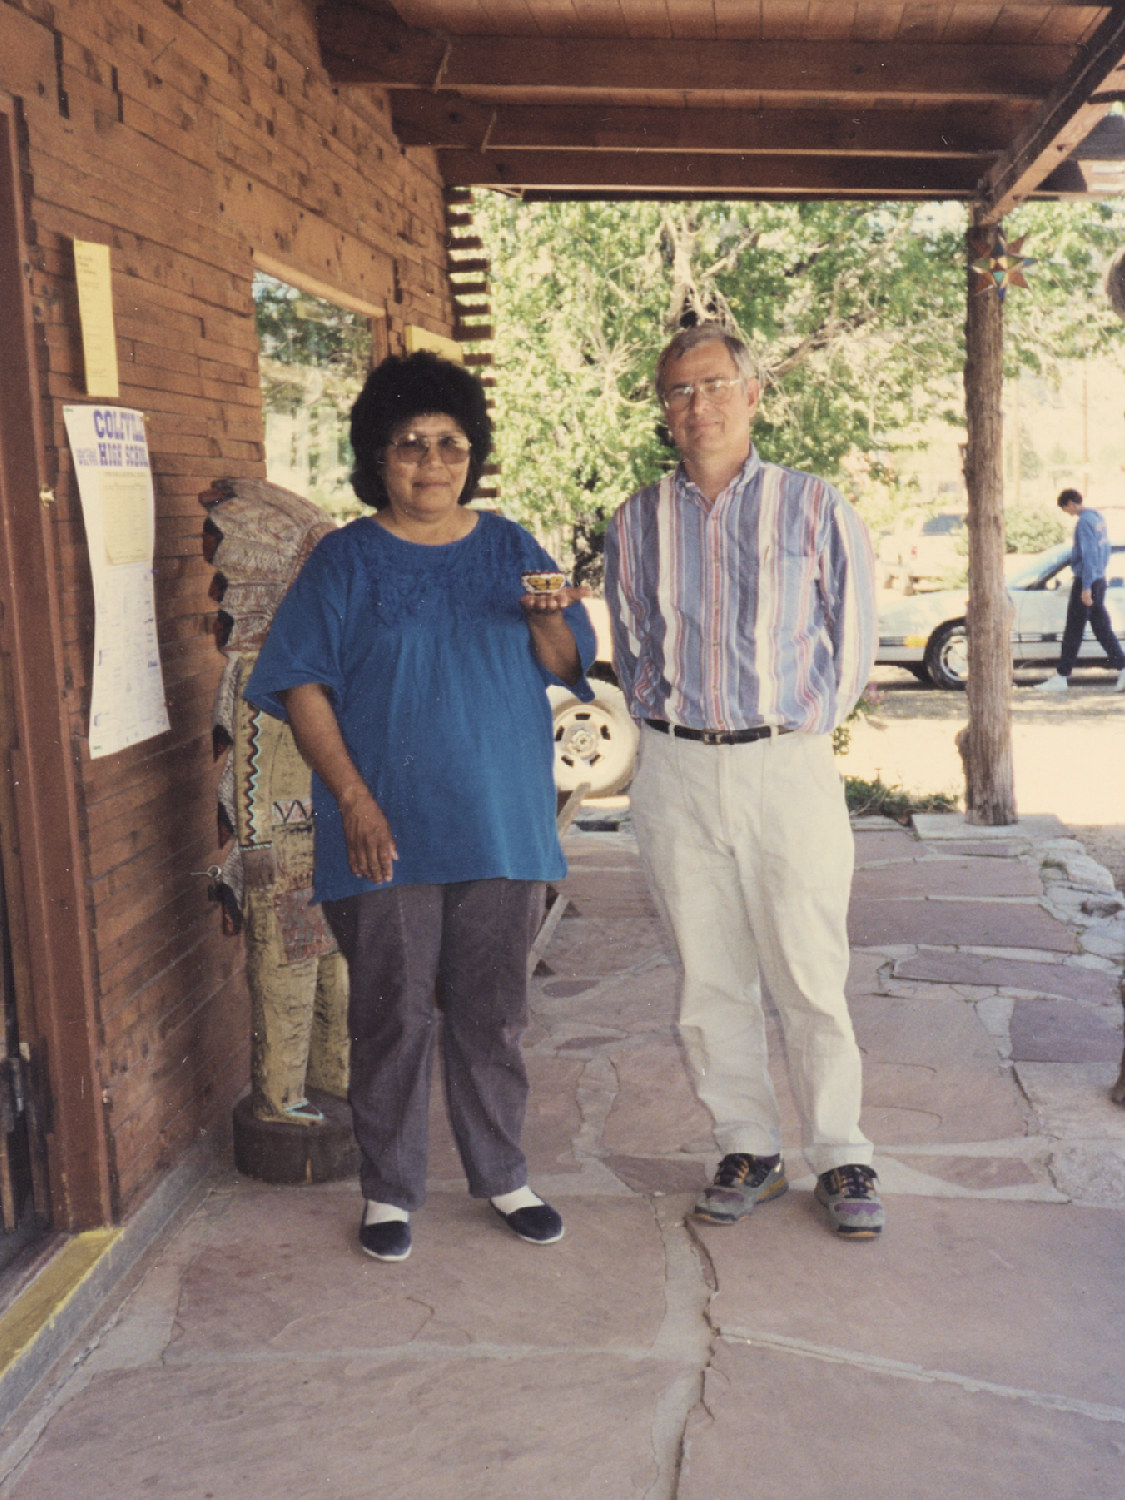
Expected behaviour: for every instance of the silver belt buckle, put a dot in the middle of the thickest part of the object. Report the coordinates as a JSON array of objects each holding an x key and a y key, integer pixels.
[{"x": 713, "y": 737}]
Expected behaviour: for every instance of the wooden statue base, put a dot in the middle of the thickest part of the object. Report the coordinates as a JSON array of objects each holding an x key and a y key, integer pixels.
[{"x": 281, "y": 1152}]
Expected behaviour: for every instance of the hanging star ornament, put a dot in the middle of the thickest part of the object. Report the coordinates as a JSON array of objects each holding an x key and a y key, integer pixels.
[{"x": 999, "y": 264}]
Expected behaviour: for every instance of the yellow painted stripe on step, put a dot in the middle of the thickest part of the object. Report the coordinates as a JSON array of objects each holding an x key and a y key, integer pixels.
[{"x": 39, "y": 1304}]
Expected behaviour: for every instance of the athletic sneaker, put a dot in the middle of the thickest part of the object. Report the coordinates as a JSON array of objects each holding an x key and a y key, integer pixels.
[
  {"x": 740, "y": 1183},
  {"x": 852, "y": 1199},
  {"x": 1055, "y": 684}
]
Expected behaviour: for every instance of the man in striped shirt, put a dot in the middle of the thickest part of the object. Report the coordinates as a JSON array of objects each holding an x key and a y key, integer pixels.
[{"x": 744, "y": 626}]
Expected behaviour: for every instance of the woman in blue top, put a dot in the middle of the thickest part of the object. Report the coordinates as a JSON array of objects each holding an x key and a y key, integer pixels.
[{"x": 412, "y": 667}]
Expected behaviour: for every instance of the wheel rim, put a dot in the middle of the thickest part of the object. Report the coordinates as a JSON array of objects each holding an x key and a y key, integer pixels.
[
  {"x": 954, "y": 657},
  {"x": 583, "y": 737},
  {"x": 593, "y": 744}
]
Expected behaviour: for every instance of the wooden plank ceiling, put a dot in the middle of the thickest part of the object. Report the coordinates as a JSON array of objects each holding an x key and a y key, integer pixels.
[{"x": 992, "y": 102}]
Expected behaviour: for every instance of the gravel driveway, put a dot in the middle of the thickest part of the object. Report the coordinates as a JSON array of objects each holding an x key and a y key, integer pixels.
[{"x": 1068, "y": 751}]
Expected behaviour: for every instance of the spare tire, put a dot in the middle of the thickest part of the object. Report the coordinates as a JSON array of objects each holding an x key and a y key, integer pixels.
[{"x": 595, "y": 743}]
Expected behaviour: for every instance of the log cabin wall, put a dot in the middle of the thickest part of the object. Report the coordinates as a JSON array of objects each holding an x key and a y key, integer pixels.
[{"x": 188, "y": 135}]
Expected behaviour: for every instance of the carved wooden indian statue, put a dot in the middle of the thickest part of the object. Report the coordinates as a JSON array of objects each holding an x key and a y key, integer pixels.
[{"x": 257, "y": 536}]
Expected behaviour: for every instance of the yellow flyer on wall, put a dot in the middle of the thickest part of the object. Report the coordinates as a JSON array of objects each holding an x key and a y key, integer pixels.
[{"x": 115, "y": 486}]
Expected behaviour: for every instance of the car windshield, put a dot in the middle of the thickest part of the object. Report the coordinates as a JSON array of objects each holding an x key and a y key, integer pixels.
[{"x": 1026, "y": 574}]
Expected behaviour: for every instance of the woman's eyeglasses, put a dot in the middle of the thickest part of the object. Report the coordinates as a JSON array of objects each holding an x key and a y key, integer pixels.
[
  {"x": 717, "y": 389},
  {"x": 413, "y": 448}
]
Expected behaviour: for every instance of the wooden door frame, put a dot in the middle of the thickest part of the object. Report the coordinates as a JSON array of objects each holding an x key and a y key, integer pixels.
[{"x": 43, "y": 855}]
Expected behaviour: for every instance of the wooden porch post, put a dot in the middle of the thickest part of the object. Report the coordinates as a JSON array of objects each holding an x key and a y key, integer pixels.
[{"x": 986, "y": 743}]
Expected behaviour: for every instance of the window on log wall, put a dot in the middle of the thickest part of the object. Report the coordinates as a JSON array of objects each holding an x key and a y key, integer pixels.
[{"x": 313, "y": 359}]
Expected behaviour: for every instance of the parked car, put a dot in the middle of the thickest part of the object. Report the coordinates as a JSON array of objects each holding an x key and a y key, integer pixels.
[
  {"x": 924, "y": 548},
  {"x": 926, "y": 633},
  {"x": 595, "y": 743}
]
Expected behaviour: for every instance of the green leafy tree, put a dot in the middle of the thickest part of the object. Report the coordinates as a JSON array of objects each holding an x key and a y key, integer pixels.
[
  {"x": 839, "y": 304},
  {"x": 854, "y": 312},
  {"x": 1065, "y": 314},
  {"x": 1032, "y": 530}
]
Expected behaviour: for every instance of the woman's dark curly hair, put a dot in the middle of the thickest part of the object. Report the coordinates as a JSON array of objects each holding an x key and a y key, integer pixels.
[{"x": 401, "y": 388}]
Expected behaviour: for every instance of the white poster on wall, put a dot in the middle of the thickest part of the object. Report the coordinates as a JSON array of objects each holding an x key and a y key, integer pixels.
[{"x": 115, "y": 486}]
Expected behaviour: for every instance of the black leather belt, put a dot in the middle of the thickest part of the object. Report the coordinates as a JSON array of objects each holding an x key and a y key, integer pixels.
[{"x": 716, "y": 736}]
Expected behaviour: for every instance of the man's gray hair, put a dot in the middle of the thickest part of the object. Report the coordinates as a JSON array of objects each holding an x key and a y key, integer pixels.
[{"x": 706, "y": 333}]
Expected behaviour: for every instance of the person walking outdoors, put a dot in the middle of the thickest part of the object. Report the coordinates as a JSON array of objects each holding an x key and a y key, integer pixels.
[
  {"x": 742, "y": 599},
  {"x": 1086, "y": 606}
]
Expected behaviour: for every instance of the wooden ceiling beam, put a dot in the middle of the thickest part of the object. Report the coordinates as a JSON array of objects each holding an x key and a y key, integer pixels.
[
  {"x": 1068, "y": 180},
  {"x": 990, "y": 5},
  {"x": 423, "y": 118},
  {"x": 364, "y": 46},
  {"x": 1095, "y": 169},
  {"x": 680, "y": 172},
  {"x": 1066, "y": 117},
  {"x": 1046, "y": 6}
]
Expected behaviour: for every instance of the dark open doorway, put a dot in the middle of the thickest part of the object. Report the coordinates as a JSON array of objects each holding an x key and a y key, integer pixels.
[{"x": 23, "y": 1215}]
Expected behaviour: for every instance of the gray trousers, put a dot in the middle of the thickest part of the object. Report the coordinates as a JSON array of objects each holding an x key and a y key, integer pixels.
[{"x": 414, "y": 951}]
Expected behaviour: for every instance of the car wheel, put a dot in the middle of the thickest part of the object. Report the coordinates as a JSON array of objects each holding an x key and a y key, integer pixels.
[
  {"x": 947, "y": 656},
  {"x": 595, "y": 742}
]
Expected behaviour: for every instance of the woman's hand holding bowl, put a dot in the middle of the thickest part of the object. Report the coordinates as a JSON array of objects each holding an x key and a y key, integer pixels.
[
  {"x": 544, "y": 602},
  {"x": 546, "y": 596}
]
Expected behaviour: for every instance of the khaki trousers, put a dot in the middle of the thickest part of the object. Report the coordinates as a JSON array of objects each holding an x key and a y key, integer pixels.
[{"x": 749, "y": 854}]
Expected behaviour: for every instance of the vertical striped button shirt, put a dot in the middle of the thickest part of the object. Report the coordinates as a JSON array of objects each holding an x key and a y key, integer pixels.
[{"x": 757, "y": 609}]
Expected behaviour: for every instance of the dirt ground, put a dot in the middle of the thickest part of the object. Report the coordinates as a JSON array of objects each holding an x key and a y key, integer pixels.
[{"x": 1068, "y": 752}]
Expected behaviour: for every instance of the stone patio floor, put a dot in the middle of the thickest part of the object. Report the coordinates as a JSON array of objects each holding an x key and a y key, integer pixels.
[{"x": 977, "y": 1350}]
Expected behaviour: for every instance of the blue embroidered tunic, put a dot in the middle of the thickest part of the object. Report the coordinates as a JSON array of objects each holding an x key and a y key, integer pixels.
[{"x": 439, "y": 696}]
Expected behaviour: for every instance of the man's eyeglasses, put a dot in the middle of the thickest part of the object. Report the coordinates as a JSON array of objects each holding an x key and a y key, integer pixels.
[
  {"x": 716, "y": 388},
  {"x": 413, "y": 448}
]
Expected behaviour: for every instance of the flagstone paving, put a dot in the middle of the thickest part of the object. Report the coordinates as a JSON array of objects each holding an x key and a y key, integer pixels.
[
  {"x": 1067, "y": 980},
  {"x": 1064, "y": 1031},
  {"x": 974, "y": 1350},
  {"x": 835, "y": 1427},
  {"x": 945, "y": 920}
]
